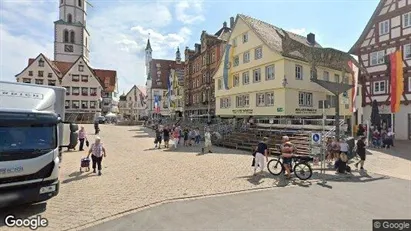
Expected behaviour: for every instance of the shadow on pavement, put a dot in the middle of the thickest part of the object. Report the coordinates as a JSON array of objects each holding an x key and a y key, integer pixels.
[
  {"x": 401, "y": 150},
  {"x": 143, "y": 135},
  {"x": 22, "y": 211},
  {"x": 214, "y": 149},
  {"x": 362, "y": 177},
  {"x": 257, "y": 179},
  {"x": 77, "y": 176}
]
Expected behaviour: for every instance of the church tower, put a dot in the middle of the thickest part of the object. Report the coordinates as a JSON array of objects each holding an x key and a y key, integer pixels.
[
  {"x": 71, "y": 39},
  {"x": 178, "y": 56},
  {"x": 149, "y": 57}
]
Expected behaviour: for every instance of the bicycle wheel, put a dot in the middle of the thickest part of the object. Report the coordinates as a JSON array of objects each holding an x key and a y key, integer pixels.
[
  {"x": 275, "y": 166},
  {"x": 303, "y": 171}
]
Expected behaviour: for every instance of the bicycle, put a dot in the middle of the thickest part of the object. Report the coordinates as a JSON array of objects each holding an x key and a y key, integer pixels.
[{"x": 302, "y": 170}]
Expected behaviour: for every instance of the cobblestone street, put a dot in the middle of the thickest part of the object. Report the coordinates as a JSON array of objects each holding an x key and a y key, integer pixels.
[{"x": 136, "y": 176}]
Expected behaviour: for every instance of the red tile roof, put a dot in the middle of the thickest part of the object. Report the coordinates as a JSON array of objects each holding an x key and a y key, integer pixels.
[
  {"x": 63, "y": 67},
  {"x": 106, "y": 77}
]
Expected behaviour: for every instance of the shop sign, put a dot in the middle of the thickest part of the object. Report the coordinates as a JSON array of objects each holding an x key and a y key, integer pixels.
[
  {"x": 243, "y": 111},
  {"x": 305, "y": 111}
]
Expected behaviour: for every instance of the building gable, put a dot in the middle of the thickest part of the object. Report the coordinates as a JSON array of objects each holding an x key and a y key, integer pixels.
[
  {"x": 80, "y": 67},
  {"x": 40, "y": 66},
  {"x": 131, "y": 93},
  {"x": 385, "y": 10}
]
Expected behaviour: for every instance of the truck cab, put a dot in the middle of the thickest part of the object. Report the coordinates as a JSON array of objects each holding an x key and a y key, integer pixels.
[{"x": 32, "y": 131}]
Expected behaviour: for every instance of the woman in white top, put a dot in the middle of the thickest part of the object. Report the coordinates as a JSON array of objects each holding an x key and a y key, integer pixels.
[
  {"x": 344, "y": 150},
  {"x": 97, "y": 152}
]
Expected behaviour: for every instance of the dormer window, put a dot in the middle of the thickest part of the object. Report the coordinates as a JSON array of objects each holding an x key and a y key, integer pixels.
[{"x": 41, "y": 63}]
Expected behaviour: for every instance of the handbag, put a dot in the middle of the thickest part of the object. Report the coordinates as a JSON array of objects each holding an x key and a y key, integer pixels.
[{"x": 87, "y": 143}]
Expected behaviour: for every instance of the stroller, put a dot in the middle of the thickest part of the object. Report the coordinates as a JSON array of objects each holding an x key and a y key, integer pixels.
[{"x": 85, "y": 163}]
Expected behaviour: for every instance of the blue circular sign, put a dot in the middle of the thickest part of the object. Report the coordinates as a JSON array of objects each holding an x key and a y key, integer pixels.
[{"x": 316, "y": 137}]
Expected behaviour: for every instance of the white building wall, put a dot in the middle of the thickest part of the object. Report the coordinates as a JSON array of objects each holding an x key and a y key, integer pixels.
[
  {"x": 33, "y": 72},
  {"x": 90, "y": 86}
]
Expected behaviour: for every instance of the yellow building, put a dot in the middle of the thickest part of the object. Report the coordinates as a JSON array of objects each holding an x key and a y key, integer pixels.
[
  {"x": 263, "y": 83},
  {"x": 177, "y": 93}
]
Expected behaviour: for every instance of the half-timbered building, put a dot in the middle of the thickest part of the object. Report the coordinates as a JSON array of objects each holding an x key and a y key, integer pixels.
[{"x": 388, "y": 30}]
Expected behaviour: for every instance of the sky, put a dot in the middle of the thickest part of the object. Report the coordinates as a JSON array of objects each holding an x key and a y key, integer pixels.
[{"x": 119, "y": 28}]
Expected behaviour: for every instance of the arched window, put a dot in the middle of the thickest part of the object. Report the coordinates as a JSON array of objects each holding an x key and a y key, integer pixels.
[
  {"x": 66, "y": 36},
  {"x": 79, "y": 3},
  {"x": 71, "y": 36},
  {"x": 69, "y": 18},
  {"x": 86, "y": 42},
  {"x": 62, "y": 1}
]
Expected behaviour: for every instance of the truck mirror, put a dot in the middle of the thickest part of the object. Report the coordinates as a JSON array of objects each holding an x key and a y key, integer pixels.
[{"x": 69, "y": 135}]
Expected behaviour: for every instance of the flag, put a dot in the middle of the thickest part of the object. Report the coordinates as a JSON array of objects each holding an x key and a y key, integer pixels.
[
  {"x": 226, "y": 66},
  {"x": 169, "y": 87},
  {"x": 156, "y": 104},
  {"x": 397, "y": 80},
  {"x": 354, "y": 92}
]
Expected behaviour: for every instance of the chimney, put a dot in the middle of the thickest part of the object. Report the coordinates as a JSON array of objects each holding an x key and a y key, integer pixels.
[
  {"x": 311, "y": 38},
  {"x": 224, "y": 24},
  {"x": 197, "y": 48},
  {"x": 231, "y": 22}
]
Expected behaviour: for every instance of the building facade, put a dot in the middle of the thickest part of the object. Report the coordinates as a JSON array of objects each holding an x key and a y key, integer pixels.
[
  {"x": 388, "y": 30},
  {"x": 158, "y": 77},
  {"x": 71, "y": 69},
  {"x": 132, "y": 105},
  {"x": 177, "y": 92},
  {"x": 255, "y": 79},
  {"x": 200, "y": 65}
]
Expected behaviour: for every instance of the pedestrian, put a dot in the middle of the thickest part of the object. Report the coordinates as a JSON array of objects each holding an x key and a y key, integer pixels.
[
  {"x": 157, "y": 140},
  {"x": 166, "y": 136},
  {"x": 96, "y": 127},
  {"x": 207, "y": 142},
  {"x": 185, "y": 135},
  {"x": 197, "y": 136},
  {"x": 261, "y": 153},
  {"x": 287, "y": 150},
  {"x": 176, "y": 136},
  {"x": 361, "y": 151},
  {"x": 82, "y": 137},
  {"x": 335, "y": 147},
  {"x": 97, "y": 152}
]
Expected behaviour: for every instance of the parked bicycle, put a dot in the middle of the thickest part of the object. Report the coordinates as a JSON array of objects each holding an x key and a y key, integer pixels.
[{"x": 302, "y": 169}]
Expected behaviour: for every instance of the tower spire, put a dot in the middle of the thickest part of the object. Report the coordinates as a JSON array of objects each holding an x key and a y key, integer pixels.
[{"x": 148, "y": 47}]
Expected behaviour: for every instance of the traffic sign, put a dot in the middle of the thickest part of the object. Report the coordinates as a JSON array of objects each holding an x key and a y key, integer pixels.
[{"x": 316, "y": 138}]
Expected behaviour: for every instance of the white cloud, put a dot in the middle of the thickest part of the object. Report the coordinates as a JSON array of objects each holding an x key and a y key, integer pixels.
[
  {"x": 196, "y": 6},
  {"x": 119, "y": 35}
]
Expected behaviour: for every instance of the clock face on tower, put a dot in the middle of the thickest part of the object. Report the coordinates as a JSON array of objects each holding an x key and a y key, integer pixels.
[{"x": 68, "y": 48}]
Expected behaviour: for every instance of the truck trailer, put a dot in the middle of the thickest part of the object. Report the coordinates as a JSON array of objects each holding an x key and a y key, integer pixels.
[{"x": 32, "y": 135}]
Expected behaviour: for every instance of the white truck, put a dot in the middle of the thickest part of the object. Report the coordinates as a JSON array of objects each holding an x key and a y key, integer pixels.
[{"x": 32, "y": 135}]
